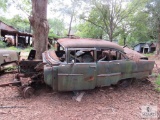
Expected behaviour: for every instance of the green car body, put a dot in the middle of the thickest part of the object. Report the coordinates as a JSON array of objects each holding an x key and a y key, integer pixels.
[{"x": 82, "y": 64}]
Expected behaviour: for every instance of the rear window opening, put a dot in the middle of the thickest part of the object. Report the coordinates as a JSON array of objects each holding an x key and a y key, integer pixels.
[{"x": 109, "y": 55}]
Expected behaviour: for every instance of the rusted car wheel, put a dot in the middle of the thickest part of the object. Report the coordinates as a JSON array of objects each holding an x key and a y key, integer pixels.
[
  {"x": 27, "y": 92},
  {"x": 125, "y": 83}
]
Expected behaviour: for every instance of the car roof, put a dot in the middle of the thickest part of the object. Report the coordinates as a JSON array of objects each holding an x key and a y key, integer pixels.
[{"x": 88, "y": 43}]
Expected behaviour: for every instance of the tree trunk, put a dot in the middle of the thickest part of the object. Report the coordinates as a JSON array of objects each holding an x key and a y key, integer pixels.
[
  {"x": 111, "y": 29},
  {"x": 39, "y": 23},
  {"x": 110, "y": 36},
  {"x": 124, "y": 42},
  {"x": 158, "y": 42},
  {"x": 70, "y": 25}
]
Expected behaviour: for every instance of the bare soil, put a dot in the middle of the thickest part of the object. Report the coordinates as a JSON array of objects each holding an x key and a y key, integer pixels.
[{"x": 107, "y": 103}]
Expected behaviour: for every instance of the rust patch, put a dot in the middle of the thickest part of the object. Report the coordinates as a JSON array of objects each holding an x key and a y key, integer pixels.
[{"x": 91, "y": 78}]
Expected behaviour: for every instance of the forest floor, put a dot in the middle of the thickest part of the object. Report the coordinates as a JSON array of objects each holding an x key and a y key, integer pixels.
[{"x": 107, "y": 103}]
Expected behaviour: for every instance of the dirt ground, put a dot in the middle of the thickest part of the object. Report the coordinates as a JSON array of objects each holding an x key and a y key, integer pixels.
[{"x": 107, "y": 103}]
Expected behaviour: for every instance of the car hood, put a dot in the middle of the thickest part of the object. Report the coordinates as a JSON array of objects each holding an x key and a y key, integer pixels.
[{"x": 50, "y": 57}]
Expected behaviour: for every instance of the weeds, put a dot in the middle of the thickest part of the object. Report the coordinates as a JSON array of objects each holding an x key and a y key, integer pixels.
[
  {"x": 149, "y": 54},
  {"x": 158, "y": 83},
  {"x": 28, "y": 49},
  {"x": 19, "y": 49},
  {"x": 2, "y": 44}
]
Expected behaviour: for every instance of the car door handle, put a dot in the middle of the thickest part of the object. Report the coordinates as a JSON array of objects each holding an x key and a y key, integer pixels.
[{"x": 117, "y": 63}]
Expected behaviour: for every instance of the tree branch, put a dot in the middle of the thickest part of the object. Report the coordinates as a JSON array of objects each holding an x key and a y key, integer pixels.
[{"x": 93, "y": 23}]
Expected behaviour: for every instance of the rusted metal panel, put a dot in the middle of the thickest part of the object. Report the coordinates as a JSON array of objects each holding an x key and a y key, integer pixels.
[
  {"x": 51, "y": 57},
  {"x": 88, "y": 43},
  {"x": 48, "y": 76},
  {"x": 8, "y": 56},
  {"x": 145, "y": 65},
  {"x": 51, "y": 76},
  {"x": 134, "y": 55},
  {"x": 111, "y": 72},
  {"x": 28, "y": 66},
  {"x": 76, "y": 77}
]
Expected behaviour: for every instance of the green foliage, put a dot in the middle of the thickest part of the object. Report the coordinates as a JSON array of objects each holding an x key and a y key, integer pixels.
[
  {"x": 3, "y": 4},
  {"x": 143, "y": 23},
  {"x": 87, "y": 30},
  {"x": 153, "y": 9},
  {"x": 52, "y": 35},
  {"x": 92, "y": 27},
  {"x": 158, "y": 80},
  {"x": 69, "y": 11},
  {"x": 158, "y": 83},
  {"x": 56, "y": 28},
  {"x": 10, "y": 68},
  {"x": 139, "y": 27},
  {"x": 130, "y": 23},
  {"x": 108, "y": 16},
  {"x": 135, "y": 27},
  {"x": 121, "y": 41},
  {"x": 23, "y": 5},
  {"x": 137, "y": 22},
  {"x": 18, "y": 23},
  {"x": 2, "y": 44}
]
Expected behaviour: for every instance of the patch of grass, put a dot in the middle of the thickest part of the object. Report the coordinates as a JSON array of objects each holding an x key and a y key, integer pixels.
[
  {"x": 12, "y": 48},
  {"x": 157, "y": 89},
  {"x": 28, "y": 49},
  {"x": 158, "y": 83},
  {"x": 19, "y": 49},
  {"x": 158, "y": 80},
  {"x": 11, "y": 68},
  {"x": 149, "y": 54}
]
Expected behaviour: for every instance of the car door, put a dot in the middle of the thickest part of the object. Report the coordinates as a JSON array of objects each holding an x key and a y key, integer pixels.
[
  {"x": 76, "y": 76},
  {"x": 110, "y": 71}
]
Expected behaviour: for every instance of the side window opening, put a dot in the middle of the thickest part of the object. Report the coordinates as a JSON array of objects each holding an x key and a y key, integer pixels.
[
  {"x": 60, "y": 52},
  {"x": 81, "y": 56},
  {"x": 109, "y": 55},
  {"x": 87, "y": 57},
  {"x": 104, "y": 55}
]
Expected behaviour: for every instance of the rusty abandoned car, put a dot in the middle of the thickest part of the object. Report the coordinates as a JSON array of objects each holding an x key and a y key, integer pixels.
[
  {"x": 8, "y": 57},
  {"x": 81, "y": 64},
  {"x": 77, "y": 64}
]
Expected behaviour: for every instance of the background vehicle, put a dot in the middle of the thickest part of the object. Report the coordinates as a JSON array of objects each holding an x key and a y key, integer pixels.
[{"x": 8, "y": 57}]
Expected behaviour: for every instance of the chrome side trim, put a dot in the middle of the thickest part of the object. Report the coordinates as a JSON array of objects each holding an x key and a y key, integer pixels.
[
  {"x": 70, "y": 74},
  {"x": 107, "y": 75}
]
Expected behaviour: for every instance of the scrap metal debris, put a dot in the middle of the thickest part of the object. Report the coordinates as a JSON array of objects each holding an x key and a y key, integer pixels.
[{"x": 79, "y": 96}]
